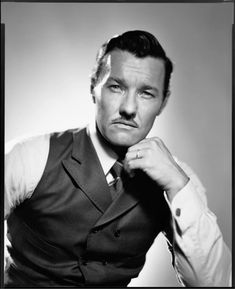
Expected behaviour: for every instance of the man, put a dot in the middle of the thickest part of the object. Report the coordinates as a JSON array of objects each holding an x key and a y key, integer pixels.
[{"x": 84, "y": 206}]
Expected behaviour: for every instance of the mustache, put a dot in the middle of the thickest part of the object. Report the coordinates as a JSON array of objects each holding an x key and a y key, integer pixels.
[{"x": 121, "y": 120}]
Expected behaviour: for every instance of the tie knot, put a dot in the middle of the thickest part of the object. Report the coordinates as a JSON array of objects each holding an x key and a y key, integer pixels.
[
  {"x": 117, "y": 169},
  {"x": 116, "y": 185}
]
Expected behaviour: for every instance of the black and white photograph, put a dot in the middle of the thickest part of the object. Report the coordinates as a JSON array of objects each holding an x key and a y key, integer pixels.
[{"x": 118, "y": 144}]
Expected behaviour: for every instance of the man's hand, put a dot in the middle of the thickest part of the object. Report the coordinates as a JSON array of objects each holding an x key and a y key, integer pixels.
[{"x": 152, "y": 156}]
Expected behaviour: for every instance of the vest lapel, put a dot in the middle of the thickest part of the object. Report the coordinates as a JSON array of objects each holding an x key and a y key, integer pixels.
[
  {"x": 137, "y": 190},
  {"x": 85, "y": 169},
  {"x": 127, "y": 199}
]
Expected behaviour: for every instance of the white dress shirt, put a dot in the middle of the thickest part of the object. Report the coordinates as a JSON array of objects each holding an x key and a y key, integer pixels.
[{"x": 201, "y": 257}]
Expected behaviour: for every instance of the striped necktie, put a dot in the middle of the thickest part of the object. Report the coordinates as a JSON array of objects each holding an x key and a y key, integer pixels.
[{"x": 116, "y": 185}]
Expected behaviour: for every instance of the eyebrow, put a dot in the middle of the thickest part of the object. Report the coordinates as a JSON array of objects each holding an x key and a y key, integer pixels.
[
  {"x": 123, "y": 82},
  {"x": 117, "y": 79}
]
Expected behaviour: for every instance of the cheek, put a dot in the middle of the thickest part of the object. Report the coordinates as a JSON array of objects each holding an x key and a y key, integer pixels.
[
  {"x": 105, "y": 109},
  {"x": 148, "y": 115},
  {"x": 108, "y": 104}
]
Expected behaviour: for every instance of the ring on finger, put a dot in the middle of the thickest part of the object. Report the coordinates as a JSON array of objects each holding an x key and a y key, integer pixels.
[{"x": 138, "y": 154}]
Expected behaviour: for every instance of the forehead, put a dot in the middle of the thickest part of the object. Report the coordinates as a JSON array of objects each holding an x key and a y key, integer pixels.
[{"x": 148, "y": 70}]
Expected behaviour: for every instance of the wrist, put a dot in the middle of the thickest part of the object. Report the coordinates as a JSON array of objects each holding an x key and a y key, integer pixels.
[{"x": 177, "y": 185}]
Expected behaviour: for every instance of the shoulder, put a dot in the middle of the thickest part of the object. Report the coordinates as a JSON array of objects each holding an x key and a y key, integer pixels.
[
  {"x": 63, "y": 138},
  {"x": 29, "y": 145},
  {"x": 30, "y": 153},
  {"x": 25, "y": 157},
  {"x": 25, "y": 161}
]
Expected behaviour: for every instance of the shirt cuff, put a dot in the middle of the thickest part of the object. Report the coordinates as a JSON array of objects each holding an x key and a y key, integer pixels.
[{"x": 187, "y": 206}]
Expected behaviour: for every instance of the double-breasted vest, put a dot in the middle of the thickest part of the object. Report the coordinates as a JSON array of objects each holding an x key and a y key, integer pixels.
[{"x": 70, "y": 232}]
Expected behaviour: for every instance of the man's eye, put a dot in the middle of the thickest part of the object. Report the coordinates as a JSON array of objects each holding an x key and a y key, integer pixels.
[
  {"x": 115, "y": 87},
  {"x": 146, "y": 94}
]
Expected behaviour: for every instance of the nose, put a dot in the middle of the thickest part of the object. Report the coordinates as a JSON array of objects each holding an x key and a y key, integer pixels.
[{"x": 128, "y": 107}]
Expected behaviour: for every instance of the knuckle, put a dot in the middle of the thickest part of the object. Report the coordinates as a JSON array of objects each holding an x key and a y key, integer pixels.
[
  {"x": 149, "y": 152},
  {"x": 128, "y": 155},
  {"x": 129, "y": 149},
  {"x": 158, "y": 141},
  {"x": 155, "y": 141},
  {"x": 151, "y": 144}
]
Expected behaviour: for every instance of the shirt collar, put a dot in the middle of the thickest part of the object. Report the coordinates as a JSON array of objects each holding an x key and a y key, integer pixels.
[{"x": 106, "y": 155}]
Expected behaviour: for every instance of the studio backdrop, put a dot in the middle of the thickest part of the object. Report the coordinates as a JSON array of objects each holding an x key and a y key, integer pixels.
[{"x": 50, "y": 52}]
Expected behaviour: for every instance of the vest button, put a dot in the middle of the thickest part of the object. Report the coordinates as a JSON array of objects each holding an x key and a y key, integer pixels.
[{"x": 117, "y": 234}]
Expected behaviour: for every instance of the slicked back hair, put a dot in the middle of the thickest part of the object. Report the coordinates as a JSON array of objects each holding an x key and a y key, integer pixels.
[{"x": 139, "y": 43}]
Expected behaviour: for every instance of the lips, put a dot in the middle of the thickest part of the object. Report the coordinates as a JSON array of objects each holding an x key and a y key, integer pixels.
[{"x": 126, "y": 122}]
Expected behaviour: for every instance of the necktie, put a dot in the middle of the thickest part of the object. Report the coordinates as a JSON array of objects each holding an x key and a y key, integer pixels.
[{"x": 116, "y": 185}]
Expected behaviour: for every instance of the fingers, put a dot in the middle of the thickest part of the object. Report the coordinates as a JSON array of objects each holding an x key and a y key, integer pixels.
[
  {"x": 132, "y": 164},
  {"x": 146, "y": 155},
  {"x": 136, "y": 159},
  {"x": 139, "y": 155},
  {"x": 154, "y": 143},
  {"x": 153, "y": 158},
  {"x": 135, "y": 154}
]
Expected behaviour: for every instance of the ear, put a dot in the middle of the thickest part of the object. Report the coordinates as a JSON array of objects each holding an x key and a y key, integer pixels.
[{"x": 164, "y": 101}]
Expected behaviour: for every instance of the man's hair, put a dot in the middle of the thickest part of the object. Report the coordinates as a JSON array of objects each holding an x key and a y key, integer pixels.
[{"x": 141, "y": 44}]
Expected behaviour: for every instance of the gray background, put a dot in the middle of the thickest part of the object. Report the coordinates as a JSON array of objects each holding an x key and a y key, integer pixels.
[{"x": 51, "y": 48}]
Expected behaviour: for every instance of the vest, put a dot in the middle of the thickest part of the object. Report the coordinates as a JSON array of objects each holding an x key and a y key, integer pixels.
[{"x": 70, "y": 233}]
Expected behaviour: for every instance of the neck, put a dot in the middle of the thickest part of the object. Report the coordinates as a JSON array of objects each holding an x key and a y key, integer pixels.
[{"x": 119, "y": 150}]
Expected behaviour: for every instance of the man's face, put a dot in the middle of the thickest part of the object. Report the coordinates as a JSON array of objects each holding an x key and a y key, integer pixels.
[{"x": 128, "y": 97}]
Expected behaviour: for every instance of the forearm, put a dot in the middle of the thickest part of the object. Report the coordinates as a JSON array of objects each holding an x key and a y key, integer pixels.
[{"x": 201, "y": 256}]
